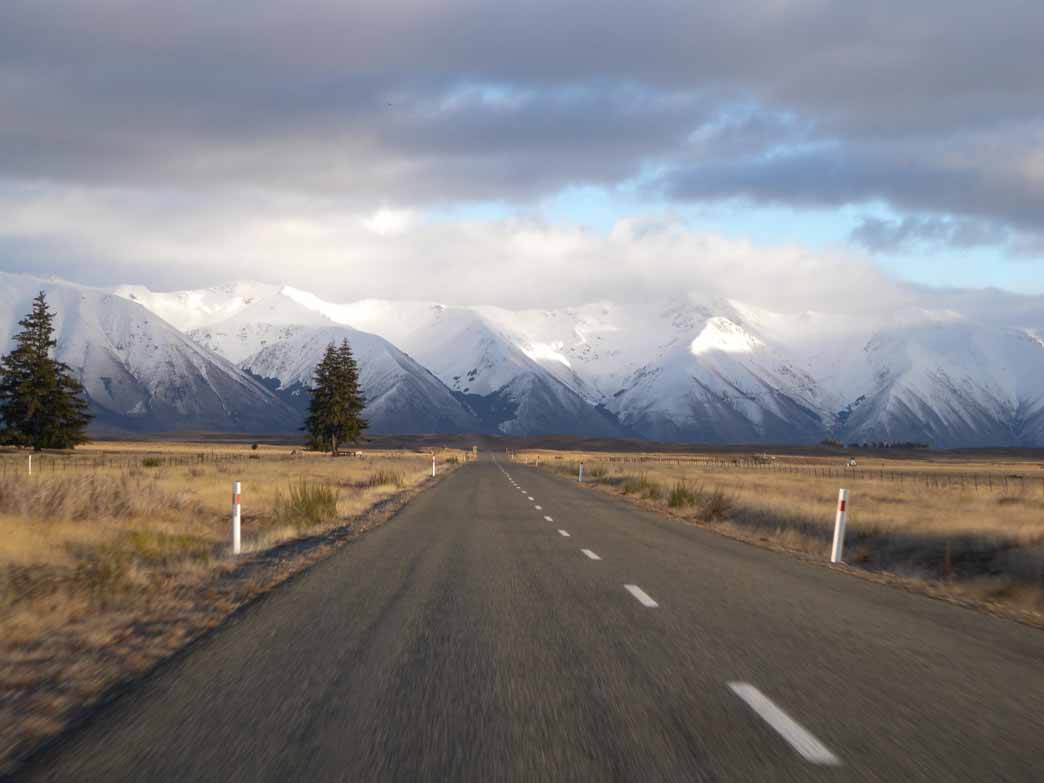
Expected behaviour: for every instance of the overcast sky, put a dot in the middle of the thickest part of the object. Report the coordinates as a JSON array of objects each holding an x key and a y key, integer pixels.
[{"x": 532, "y": 153}]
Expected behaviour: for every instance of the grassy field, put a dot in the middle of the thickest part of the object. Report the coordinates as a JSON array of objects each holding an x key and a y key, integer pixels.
[
  {"x": 970, "y": 527},
  {"x": 114, "y": 520},
  {"x": 114, "y": 556}
]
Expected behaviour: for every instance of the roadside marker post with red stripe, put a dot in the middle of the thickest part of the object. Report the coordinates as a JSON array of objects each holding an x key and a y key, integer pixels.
[
  {"x": 839, "y": 526},
  {"x": 236, "y": 515}
]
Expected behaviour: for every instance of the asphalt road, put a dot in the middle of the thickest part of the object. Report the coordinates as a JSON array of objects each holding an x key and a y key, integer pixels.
[{"x": 471, "y": 639}]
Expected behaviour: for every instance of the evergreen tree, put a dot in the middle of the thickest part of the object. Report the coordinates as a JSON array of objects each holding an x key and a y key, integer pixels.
[
  {"x": 355, "y": 401},
  {"x": 41, "y": 403},
  {"x": 335, "y": 410},
  {"x": 319, "y": 423}
]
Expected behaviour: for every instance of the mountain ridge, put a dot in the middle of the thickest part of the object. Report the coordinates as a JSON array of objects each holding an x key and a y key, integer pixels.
[
  {"x": 714, "y": 369},
  {"x": 952, "y": 368}
]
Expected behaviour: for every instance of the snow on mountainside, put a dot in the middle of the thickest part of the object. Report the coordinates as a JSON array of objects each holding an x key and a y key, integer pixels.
[
  {"x": 188, "y": 310},
  {"x": 401, "y": 396},
  {"x": 952, "y": 384},
  {"x": 265, "y": 321},
  {"x": 489, "y": 374},
  {"x": 719, "y": 382},
  {"x": 952, "y": 369},
  {"x": 278, "y": 334},
  {"x": 139, "y": 372}
]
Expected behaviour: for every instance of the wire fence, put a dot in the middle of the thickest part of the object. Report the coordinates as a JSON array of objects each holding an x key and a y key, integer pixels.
[
  {"x": 1021, "y": 482},
  {"x": 53, "y": 464}
]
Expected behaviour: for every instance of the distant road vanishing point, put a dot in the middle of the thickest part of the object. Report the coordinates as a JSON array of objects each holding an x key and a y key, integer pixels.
[{"x": 507, "y": 626}]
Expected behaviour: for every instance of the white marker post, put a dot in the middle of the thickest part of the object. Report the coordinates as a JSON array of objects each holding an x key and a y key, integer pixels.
[
  {"x": 580, "y": 478},
  {"x": 433, "y": 466},
  {"x": 30, "y": 464},
  {"x": 236, "y": 516},
  {"x": 839, "y": 526}
]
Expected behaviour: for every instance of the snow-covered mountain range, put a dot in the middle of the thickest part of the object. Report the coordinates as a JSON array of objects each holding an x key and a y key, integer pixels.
[
  {"x": 140, "y": 373},
  {"x": 949, "y": 368}
]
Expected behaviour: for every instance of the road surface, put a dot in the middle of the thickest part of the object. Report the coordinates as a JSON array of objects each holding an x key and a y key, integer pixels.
[{"x": 508, "y": 626}]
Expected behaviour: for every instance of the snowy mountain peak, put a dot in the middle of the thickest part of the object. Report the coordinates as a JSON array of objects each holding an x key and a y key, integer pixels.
[
  {"x": 721, "y": 334},
  {"x": 187, "y": 310}
]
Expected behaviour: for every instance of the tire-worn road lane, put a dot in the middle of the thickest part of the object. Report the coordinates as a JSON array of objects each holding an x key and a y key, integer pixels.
[{"x": 469, "y": 640}]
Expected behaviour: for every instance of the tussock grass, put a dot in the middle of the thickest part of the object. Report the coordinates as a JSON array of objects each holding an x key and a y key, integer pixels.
[
  {"x": 383, "y": 478},
  {"x": 682, "y": 495},
  {"x": 306, "y": 504},
  {"x": 640, "y": 485},
  {"x": 596, "y": 472},
  {"x": 85, "y": 496}
]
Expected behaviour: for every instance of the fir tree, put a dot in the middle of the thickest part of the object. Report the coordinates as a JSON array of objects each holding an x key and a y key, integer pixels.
[
  {"x": 355, "y": 401},
  {"x": 41, "y": 403},
  {"x": 335, "y": 410}
]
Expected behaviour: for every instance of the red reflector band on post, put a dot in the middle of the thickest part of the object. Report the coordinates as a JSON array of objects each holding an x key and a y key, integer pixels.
[
  {"x": 235, "y": 500},
  {"x": 842, "y": 506}
]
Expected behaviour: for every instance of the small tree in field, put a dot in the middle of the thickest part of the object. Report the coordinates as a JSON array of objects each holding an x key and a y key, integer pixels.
[
  {"x": 41, "y": 403},
  {"x": 335, "y": 410}
]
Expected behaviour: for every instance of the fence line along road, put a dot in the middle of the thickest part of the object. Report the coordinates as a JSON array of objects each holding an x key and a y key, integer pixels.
[{"x": 927, "y": 478}]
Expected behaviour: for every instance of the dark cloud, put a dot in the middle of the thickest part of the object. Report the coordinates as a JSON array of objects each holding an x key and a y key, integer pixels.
[
  {"x": 931, "y": 107},
  {"x": 959, "y": 180},
  {"x": 889, "y": 236}
]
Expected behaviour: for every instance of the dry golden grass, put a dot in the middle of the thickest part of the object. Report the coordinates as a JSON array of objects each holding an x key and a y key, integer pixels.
[
  {"x": 146, "y": 514},
  {"x": 970, "y": 526},
  {"x": 108, "y": 560}
]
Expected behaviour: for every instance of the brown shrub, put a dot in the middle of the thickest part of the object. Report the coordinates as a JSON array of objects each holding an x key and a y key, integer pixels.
[{"x": 717, "y": 505}]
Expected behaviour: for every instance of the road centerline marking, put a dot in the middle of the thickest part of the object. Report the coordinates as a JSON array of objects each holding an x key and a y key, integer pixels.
[
  {"x": 799, "y": 738},
  {"x": 641, "y": 595},
  {"x": 539, "y": 508},
  {"x": 590, "y": 554},
  {"x": 549, "y": 519},
  {"x": 563, "y": 533},
  {"x": 530, "y": 497}
]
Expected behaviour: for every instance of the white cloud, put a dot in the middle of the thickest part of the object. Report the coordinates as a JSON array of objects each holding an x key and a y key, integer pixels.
[
  {"x": 387, "y": 222},
  {"x": 173, "y": 241}
]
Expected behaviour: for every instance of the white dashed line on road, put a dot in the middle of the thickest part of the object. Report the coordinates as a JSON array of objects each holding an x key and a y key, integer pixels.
[
  {"x": 797, "y": 736},
  {"x": 590, "y": 554},
  {"x": 530, "y": 497},
  {"x": 539, "y": 508},
  {"x": 549, "y": 519},
  {"x": 563, "y": 533},
  {"x": 641, "y": 595}
]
